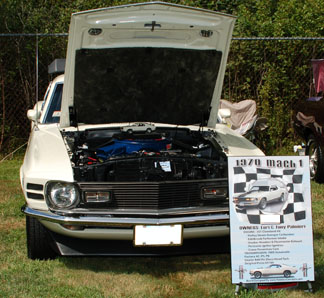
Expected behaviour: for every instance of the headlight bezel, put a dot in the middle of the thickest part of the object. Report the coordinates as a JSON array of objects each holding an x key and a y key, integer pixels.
[{"x": 62, "y": 187}]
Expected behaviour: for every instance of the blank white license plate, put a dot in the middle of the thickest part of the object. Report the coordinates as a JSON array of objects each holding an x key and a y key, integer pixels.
[{"x": 167, "y": 235}]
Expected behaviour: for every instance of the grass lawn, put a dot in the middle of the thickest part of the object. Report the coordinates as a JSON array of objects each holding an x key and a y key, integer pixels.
[{"x": 190, "y": 276}]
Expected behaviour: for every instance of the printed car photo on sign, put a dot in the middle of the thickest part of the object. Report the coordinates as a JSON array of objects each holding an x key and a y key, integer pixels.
[
  {"x": 273, "y": 269},
  {"x": 269, "y": 195}
]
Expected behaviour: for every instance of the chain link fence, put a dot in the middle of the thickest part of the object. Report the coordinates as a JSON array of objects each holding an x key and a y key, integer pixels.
[
  {"x": 275, "y": 72},
  {"x": 18, "y": 61}
]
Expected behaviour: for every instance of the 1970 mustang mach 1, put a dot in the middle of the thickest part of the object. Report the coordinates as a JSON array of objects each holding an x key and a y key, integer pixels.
[
  {"x": 263, "y": 192},
  {"x": 273, "y": 269},
  {"x": 135, "y": 153}
]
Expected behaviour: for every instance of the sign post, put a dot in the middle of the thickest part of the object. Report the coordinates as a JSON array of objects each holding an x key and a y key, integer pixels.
[{"x": 270, "y": 221}]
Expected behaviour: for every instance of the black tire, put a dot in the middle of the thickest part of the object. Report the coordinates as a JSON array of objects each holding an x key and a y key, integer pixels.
[
  {"x": 287, "y": 273},
  {"x": 263, "y": 203},
  {"x": 38, "y": 241},
  {"x": 316, "y": 160},
  {"x": 257, "y": 274}
]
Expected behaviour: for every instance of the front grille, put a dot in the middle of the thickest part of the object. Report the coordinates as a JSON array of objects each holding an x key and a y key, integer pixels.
[{"x": 158, "y": 195}]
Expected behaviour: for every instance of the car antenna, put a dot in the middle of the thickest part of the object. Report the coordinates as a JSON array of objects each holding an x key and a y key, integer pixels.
[{"x": 36, "y": 120}]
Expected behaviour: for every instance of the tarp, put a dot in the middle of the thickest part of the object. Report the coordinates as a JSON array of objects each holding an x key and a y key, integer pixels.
[
  {"x": 318, "y": 74},
  {"x": 241, "y": 112},
  {"x": 121, "y": 147}
]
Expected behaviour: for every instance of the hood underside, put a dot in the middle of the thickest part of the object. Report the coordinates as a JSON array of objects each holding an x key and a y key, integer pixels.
[
  {"x": 151, "y": 62},
  {"x": 144, "y": 84}
]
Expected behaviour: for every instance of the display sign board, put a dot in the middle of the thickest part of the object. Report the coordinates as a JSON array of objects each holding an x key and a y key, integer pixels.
[{"x": 270, "y": 219}]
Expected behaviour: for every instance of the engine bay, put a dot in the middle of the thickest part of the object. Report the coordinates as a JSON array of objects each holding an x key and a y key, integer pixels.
[{"x": 162, "y": 154}]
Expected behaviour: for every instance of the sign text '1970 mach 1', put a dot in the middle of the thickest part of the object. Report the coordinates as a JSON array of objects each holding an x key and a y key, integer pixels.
[{"x": 134, "y": 154}]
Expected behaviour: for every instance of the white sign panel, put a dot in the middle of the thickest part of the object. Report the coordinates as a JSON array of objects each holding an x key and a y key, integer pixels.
[{"x": 270, "y": 219}]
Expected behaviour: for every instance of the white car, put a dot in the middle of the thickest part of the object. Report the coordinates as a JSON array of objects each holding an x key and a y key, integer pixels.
[
  {"x": 138, "y": 127},
  {"x": 88, "y": 183},
  {"x": 263, "y": 192},
  {"x": 274, "y": 269}
]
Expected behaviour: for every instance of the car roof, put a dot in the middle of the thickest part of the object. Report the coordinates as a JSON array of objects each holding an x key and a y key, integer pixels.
[
  {"x": 59, "y": 79},
  {"x": 268, "y": 182}
]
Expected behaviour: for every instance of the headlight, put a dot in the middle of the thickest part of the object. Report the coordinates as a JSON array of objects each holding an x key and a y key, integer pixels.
[
  {"x": 214, "y": 192},
  {"x": 62, "y": 195}
]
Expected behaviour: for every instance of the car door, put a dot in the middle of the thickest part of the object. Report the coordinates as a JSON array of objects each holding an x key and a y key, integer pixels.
[
  {"x": 276, "y": 269},
  {"x": 273, "y": 193}
]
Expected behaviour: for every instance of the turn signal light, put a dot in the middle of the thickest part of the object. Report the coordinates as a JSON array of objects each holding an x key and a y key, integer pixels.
[
  {"x": 214, "y": 192},
  {"x": 97, "y": 197}
]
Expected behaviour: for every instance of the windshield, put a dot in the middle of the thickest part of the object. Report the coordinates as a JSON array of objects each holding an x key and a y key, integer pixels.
[
  {"x": 166, "y": 85},
  {"x": 259, "y": 188}
]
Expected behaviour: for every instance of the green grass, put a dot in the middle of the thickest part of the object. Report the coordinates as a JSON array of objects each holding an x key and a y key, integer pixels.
[{"x": 189, "y": 276}]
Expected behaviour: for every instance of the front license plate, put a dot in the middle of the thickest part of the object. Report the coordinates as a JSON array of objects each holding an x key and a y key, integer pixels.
[{"x": 166, "y": 235}]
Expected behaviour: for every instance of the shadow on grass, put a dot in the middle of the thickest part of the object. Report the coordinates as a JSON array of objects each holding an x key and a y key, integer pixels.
[
  {"x": 318, "y": 285},
  {"x": 318, "y": 235},
  {"x": 157, "y": 266}
]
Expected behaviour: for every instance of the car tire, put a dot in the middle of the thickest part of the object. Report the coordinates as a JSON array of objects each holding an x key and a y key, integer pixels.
[
  {"x": 263, "y": 203},
  {"x": 257, "y": 274},
  {"x": 38, "y": 241},
  {"x": 316, "y": 160},
  {"x": 287, "y": 273}
]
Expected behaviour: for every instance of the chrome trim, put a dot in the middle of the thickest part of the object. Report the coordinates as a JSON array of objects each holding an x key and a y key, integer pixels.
[
  {"x": 144, "y": 212},
  {"x": 112, "y": 233},
  {"x": 121, "y": 221}
]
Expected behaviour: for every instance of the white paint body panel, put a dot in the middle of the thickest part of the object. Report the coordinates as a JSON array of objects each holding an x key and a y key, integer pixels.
[{"x": 46, "y": 159}]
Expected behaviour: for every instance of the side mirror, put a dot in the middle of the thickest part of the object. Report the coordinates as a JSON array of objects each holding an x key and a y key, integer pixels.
[
  {"x": 31, "y": 115},
  {"x": 35, "y": 113},
  {"x": 224, "y": 114}
]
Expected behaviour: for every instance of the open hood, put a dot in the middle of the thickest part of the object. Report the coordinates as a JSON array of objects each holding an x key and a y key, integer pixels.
[{"x": 150, "y": 62}]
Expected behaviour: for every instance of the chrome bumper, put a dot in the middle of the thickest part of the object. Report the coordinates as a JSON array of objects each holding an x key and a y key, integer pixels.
[{"x": 107, "y": 220}]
